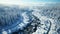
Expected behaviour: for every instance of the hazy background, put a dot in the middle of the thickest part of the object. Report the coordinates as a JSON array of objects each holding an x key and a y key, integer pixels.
[{"x": 27, "y": 2}]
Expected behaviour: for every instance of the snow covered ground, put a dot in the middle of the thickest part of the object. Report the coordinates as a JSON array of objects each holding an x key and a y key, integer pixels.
[{"x": 30, "y": 20}]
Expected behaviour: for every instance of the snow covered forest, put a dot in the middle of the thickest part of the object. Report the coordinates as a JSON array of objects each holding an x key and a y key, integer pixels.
[{"x": 30, "y": 20}]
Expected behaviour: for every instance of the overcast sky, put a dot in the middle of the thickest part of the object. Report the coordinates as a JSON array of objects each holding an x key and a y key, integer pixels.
[{"x": 23, "y": 2}]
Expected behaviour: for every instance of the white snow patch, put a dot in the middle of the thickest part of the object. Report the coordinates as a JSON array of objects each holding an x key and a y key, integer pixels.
[
  {"x": 25, "y": 18},
  {"x": 4, "y": 32}
]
